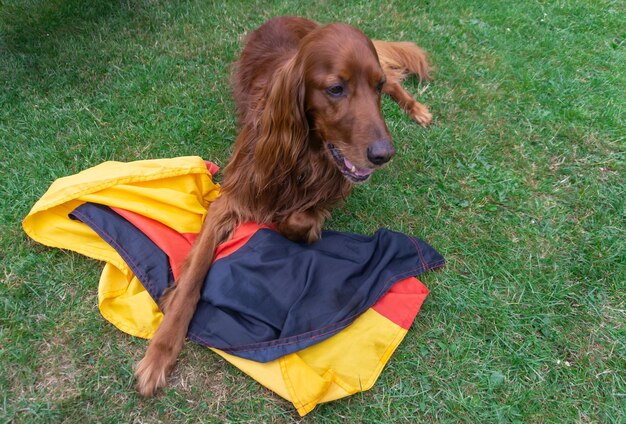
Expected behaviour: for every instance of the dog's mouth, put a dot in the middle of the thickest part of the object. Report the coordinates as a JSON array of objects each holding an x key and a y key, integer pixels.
[{"x": 347, "y": 168}]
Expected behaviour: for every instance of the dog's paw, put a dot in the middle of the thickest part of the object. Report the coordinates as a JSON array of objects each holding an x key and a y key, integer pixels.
[
  {"x": 421, "y": 115},
  {"x": 152, "y": 370}
]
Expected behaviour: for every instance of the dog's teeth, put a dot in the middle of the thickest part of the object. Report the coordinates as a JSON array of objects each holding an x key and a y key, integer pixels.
[{"x": 353, "y": 169}]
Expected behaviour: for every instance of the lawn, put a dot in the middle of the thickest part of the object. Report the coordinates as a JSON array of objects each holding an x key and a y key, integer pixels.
[{"x": 519, "y": 183}]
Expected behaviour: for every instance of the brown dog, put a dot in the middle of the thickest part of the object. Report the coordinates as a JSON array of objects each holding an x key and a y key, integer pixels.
[{"x": 308, "y": 102}]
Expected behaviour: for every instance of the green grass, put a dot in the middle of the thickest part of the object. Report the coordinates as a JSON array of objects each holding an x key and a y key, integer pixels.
[{"x": 520, "y": 183}]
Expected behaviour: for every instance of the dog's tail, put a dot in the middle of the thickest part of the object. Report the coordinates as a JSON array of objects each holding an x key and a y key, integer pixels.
[{"x": 402, "y": 58}]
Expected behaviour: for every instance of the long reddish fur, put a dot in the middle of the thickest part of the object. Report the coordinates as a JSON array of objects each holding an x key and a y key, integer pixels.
[{"x": 280, "y": 172}]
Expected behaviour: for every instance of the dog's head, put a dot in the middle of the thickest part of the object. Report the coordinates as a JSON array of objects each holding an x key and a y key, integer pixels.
[
  {"x": 343, "y": 84},
  {"x": 327, "y": 97}
]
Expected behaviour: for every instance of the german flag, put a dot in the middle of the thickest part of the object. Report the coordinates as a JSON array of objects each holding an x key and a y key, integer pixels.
[{"x": 313, "y": 323}]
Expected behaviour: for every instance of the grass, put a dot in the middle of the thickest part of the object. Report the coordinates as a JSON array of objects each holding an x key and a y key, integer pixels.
[{"x": 520, "y": 183}]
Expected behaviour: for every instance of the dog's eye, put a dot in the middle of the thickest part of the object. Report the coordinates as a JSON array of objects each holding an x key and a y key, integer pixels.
[
  {"x": 336, "y": 90},
  {"x": 379, "y": 87}
]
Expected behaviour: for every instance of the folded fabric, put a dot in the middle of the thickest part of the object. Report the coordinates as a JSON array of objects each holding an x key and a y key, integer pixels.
[{"x": 312, "y": 322}]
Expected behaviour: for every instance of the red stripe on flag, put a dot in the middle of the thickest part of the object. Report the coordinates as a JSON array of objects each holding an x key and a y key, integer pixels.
[
  {"x": 177, "y": 245},
  {"x": 402, "y": 302}
]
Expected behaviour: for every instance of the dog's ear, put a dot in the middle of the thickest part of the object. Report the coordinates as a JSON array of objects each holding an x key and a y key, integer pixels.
[{"x": 283, "y": 128}]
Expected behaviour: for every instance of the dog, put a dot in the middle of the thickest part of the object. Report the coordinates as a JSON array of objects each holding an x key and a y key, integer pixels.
[{"x": 308, "y": 100}]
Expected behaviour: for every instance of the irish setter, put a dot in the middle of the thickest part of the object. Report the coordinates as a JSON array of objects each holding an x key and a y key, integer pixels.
[{"x": 308, "y": 102}]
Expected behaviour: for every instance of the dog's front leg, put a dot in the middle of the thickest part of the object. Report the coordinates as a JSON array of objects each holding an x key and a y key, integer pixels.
[
  {"x": 181, "y": 302},
  {"x": 304, "y": 226}
]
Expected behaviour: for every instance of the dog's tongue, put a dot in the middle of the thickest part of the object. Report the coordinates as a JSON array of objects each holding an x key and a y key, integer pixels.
[{"x": 356, "y": 171}]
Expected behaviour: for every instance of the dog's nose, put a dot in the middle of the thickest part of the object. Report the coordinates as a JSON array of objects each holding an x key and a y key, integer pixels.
[{"x": 380, "y": 152}]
